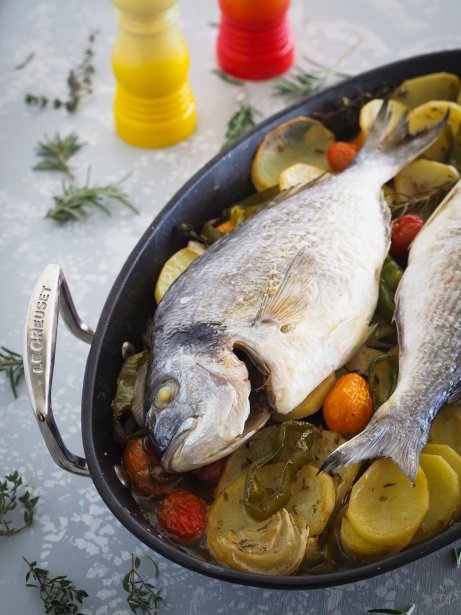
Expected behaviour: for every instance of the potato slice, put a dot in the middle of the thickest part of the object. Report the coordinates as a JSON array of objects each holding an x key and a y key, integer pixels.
[
  {"x": 444, "y": 495},
  {"x": 175, "y": 266},
  {"x": 355, "y": 544},
  {"x": 299, "y": 174},
  {"x": 423, "y": 176},
  {"x": 360, "y": 362},
  {"x": 419, "y": 90},
  {"x": 432, "y": 113},
  {"x": 311, "y": 404},
  {"x": 300, "y": 139},
  {"x": 451, "y": 457},
  {"x": 275, "y": 546},
  {"x": 313, "y": 498},
  {"x": 369, "y": 112},
  {"x": 384, "y": 507},
  {"x": 446, "y": 428}
]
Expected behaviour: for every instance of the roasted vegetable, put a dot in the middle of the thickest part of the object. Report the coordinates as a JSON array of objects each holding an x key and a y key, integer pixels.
[
  {"x": 348, "y": 406},
  {"x": 389, "y": 279},
  {"x": 312, "y": 403},
  {"x": 124, "y": 421},
  {"x": 446, "y": 428},
  {"x": 299, "y": 174},
  {"x": 404, "y": 231},
  {"x": 340, "y": 155},
  {"x": 419, "y": 90},
  {"x": 175, "y": 266},
  {"x": 183, "y": 515}
]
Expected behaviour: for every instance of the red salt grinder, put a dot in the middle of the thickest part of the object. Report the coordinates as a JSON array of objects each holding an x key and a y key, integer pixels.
[{"x": 254, "y": 40}]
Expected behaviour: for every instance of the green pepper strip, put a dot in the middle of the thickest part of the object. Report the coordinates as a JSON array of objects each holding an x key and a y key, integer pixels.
[
  {"x": 389, "y": 279},
  {"x": 394, "y": 363},
  {"x": 256, "y": 501}
]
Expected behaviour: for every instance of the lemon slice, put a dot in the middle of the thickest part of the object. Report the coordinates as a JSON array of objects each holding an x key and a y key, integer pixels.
[{"x": 175, "y": 266}]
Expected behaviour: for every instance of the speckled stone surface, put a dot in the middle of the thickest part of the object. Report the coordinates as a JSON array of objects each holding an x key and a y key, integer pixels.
[{"x": 74, "y": 533}]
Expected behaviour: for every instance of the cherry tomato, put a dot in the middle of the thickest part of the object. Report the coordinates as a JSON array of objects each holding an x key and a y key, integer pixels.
[
  {"x": 212, "y": 472},
  {"x": 341, "y": 154},
  {"x": 348, "y": 406},
  {"x": 183, "y": 515},
  {"x": 139, "y": 458},
  {"x": 404, "y": 230}
]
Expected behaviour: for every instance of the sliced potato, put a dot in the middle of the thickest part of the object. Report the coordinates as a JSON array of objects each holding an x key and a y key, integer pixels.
[
  {"x": 175, "y": 266},
  {"x": 299, "y": 174},
  {"x": 313, "y": 498},
  {"x": 451, "y": 457},
  {"x": 419, "y": 90},
  {"x": 446, "y": 428},
  {"x": 311, "y": 404},
  {"x": 432, "y": 113},
  {"x": 422, "y": 176},
  {"x": 275, "y": 546},
  {"x": 355, "y": 544},
  {"x": 301, "y": 139},
  {"x": 360, "y": 362},
  {"x": 384, "y": 507},
  {"x": 444, "y": 495},
  {"x": 369, "y": 112}
]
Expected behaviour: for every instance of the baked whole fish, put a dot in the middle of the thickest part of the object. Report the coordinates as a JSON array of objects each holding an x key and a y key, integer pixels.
[
  {"x": 428, "y": 318},
  {"x": 291, "y": 291}
]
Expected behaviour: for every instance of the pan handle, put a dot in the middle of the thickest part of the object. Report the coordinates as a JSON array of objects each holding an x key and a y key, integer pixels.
[{"x": 51, "y": 296}]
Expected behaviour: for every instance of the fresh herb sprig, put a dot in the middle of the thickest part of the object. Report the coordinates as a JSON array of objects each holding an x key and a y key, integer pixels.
[
  {"x": 12, "y": 364},
  {"x": 226, "y": 77},
  {"x": 9, "y": 498},
  {"x": 55, "y": 153},
  {"x": 305, "y": 82},
  {"x": 241, "y": 122},
  {"x": 74, "y": 200},
  {"x": 79, "y": 83},
  {"x": 143, "y": 597},
  {"x": 409, "y": 611},
  {"x": 25, "y": 62},
  {"x": 58, "y": 594},
  {"x": 457, "y": 556}
]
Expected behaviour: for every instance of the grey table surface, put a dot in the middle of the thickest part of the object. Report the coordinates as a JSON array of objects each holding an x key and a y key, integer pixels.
[{"x": 73, "y": 532}]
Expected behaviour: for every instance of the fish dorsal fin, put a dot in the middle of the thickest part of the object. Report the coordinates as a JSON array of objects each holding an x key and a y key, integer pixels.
[{"x": 284, "y": 304}]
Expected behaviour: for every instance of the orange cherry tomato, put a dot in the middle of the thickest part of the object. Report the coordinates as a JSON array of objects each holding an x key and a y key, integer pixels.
[
  {"x": 404, "y": 230},
  {"x": 349, "y": 405},
  {"x": 183, "y": 515},
  {"x": 139, "y": 459},
  {"x": 341, "y": 154}
]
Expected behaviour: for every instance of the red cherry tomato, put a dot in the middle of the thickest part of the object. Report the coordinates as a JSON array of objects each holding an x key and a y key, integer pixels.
[
  {"x": 212, "y": 472},
  {"x": 183, "y": 515},
  {"x": 404, "y": 230},
  {"x": 341, "y": 154},
  {"x": 139, "y": 458}
]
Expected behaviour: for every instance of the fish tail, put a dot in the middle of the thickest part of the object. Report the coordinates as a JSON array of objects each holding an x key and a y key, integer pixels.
[
  {"x": 396, "y": 147},
  {"x": 383, "y": 437}
]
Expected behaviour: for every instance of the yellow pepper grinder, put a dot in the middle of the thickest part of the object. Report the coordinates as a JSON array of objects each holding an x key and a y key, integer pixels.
[{"x": 154, "y": 105}]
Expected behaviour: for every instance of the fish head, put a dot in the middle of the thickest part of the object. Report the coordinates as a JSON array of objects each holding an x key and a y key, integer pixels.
[{"x": 197, "y": 407}]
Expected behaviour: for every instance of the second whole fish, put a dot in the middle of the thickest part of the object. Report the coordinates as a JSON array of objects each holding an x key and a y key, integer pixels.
[
  {"x": 291, "y": 292},
  {"x": 428, "y": 317}
]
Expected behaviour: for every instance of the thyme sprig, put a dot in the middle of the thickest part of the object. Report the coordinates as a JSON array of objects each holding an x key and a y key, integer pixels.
[
  {"x": 54, "y": 153},
  {"x": 241, "y": 122},
  {"x": 12, "y": 364},
  {"x": 58, "y": 594},
  {"x": 74, "y": 200},
  {"x": 423, "y": 203},
  {"x": 9, "y": 498},
  {"x": 409, "y": 611},
  {"x": 143, "y": 597},
  {"x": 304, "y": 82},
  {"x": 79, "y": 83}
]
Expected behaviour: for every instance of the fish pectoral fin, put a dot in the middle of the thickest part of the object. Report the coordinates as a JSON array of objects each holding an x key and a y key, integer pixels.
[
  {"x": 285, "y": 304},
  {"x": 341, "y": 337}
]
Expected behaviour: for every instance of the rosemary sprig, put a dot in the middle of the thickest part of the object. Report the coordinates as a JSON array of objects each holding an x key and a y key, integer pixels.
[
  {"x": 409, "y": 611},
  {"x": 241, "y": 122},
  {"x": 9, "y": 499},
  {"x": 59, "y": 594},
  {"x": 423, "y": 203},
  {"x": 71, "y": 204},
  {"x": 26, "y": 61},
  {"x": 302, "y": 83},
  {"x": 457, "y": 556},
  {"x": 79, "y": 83},
  {"x": 143, "y": 597},
  {"x": 55, "y": 153},
  {"x": 12, "y": 364},
  {"x": 226, "y": 77}
]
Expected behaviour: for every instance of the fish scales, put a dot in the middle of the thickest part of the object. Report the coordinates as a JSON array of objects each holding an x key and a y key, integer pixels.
[
  {"x": 428, "y": 317},
  {"x": 293, "y": 289}
]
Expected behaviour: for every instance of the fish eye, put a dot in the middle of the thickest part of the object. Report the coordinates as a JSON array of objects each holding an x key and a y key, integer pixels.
[{"x": 165, "y": 394}]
